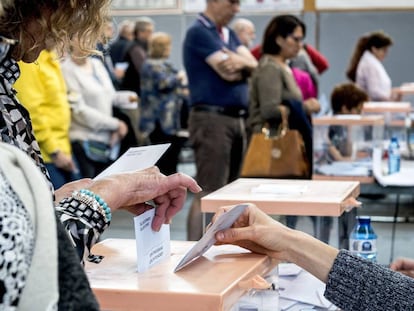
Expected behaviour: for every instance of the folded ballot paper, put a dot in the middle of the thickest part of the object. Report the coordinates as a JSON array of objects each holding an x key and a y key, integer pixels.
[
  {"x": 208, "y": 239},
  {"x": 152, "y": 247},
  {"x": 135, "y": 159}
]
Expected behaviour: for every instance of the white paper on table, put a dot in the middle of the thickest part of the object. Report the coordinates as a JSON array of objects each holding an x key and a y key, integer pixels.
[
  {"x": 298, "y": 306},
  {"x": 135, "y": 159},
  {"x": 304, "y": 288},
  {"x": 279, "y": 189},
  {"x": 404, "y": 178},
  {"x": 152, "y": 246},
  {"x": 345, "y": 168},
  {"x": 289, "y": 269},
  {"x": 285, "y": 304}
]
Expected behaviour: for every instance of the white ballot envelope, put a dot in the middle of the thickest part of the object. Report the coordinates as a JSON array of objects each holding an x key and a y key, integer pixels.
[
  {"x": 135, "y": 159},
  {"x": 152, "y": 247},
  {"x": 208, "y": 239}
]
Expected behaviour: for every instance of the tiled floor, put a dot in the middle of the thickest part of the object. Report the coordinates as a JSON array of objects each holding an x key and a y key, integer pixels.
[{"x": 380, "y": 210}]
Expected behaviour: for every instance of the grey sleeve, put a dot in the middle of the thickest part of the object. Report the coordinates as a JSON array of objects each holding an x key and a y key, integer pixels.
[{"x": 356, "y": 284}]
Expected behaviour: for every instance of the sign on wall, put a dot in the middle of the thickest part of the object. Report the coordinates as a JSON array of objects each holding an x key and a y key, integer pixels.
[
  {"x": 250, "y": 5},
  {"x": 362, "y": 4},
  {"x": 144, "y": 4}
]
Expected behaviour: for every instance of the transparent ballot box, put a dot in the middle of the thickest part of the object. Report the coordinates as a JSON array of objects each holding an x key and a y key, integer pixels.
[
  {"x": 343, "y": 145},
  {"x": 397, "y": 120}
]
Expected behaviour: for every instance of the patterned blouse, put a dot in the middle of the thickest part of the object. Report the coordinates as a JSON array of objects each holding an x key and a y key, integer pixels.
[
  {"x": 15, "y": 124},
  {"x": 161, "y": 97},
  {"x": 82, "y": 223},
  {"x": 16, "y": 246}
]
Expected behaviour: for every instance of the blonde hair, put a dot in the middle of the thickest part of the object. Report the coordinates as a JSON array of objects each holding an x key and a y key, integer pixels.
[
  {"x": 82, "y": 19},
  {"x": 158, "y": 43}
]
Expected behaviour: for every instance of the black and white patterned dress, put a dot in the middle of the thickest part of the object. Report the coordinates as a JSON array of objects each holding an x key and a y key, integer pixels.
[
  {"x": 15, "y": 125},
  {"x": 83, "y": 229},
  {"x": 16, "y": 245}
]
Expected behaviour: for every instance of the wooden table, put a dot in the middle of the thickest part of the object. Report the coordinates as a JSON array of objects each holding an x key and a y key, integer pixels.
[{"x": 214, "y": 281}]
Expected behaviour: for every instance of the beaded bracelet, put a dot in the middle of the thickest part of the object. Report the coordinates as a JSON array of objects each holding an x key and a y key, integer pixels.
[
  {"x": 95, "y": 201},
  {"x": 101, "y": 202}
]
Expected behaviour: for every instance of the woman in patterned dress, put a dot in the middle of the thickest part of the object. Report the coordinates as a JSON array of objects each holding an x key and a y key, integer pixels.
[{"x": 25, "y": 28}]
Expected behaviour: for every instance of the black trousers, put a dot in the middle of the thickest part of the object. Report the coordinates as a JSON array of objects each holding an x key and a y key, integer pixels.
[{"x": 169, "y": 161}]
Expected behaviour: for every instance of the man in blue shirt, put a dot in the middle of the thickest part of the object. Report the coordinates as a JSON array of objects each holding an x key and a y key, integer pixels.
[{"x": 217, "y": 65}]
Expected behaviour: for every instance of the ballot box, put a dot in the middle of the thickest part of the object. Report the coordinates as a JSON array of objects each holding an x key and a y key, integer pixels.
[
  {"x": 285, "y": 197},
  {"x": 343, "y": 145},
  {"x": 214, "y": 281},
  {"x": 397, "y": 119}
]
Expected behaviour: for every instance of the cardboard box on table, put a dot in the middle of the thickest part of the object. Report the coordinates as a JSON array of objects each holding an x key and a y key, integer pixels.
[
  {"x": 362, "y": 135},
  {"x": 285, "y": 197},
  {"x": 406, "y": 88},
  {"x": 406, "y": 91},
  {"x": 214, "y": 281}
]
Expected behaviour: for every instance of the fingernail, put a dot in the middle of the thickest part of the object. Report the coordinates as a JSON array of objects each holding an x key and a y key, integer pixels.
[
  {"x": 156, "y": 226},
  {"x": 220, "y": 236}
]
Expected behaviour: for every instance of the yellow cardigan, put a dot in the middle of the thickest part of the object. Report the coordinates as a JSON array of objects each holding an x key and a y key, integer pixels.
[{"x": 41, "y": 90}]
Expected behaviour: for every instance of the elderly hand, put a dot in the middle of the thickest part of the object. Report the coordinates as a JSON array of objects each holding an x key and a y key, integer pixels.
[
  {"x": 130, "y": 191},
  {"x": 67, "y": 189}
]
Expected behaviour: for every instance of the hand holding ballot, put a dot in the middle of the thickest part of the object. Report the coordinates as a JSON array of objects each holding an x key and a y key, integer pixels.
[
  {"x": 352, "y": 283},
  {"x": 133, "y": 180},
  {"x": 255, "y": 231},
  {"x": 130, "y": 191}
]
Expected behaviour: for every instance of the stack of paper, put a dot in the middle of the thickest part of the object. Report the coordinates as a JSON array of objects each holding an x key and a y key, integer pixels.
[
  {"x": 345, "y": 168},
  {"x": 299, "y": 290}
]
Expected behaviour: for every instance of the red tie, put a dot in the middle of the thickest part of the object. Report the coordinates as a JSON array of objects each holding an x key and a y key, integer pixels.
[{"x": 220, "y": 31}]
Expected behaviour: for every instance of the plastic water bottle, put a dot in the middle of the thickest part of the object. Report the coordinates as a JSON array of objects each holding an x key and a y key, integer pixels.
[
  {"x": 394, "y": 156},
  {"x": 363, "y": 240}
]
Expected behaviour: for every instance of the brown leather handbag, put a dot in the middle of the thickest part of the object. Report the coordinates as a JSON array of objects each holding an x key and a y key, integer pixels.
[{"x": 279, "y": 156}]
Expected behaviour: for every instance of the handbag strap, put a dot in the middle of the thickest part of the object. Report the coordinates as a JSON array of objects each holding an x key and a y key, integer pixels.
[
  {"x": 283, "y": 127},
  {"x": 285, "y": 123}
]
